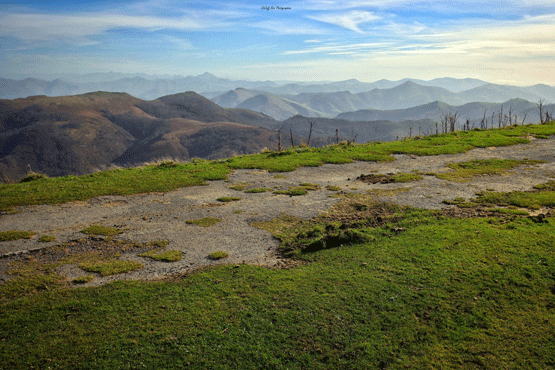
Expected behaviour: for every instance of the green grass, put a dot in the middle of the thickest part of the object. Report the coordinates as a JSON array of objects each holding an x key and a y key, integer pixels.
[
  {"x": 509, "y": 211},
  {"x": 101, "y": 230},
  {"x": 114, "y": 182},
  {"x": 218, "y": 255},
  {"x": 542, "y": 196},
  {"x": 111, "y": 267},
  {"x": 257, "y": 190},
  {"x": 466, "y": 171},
  {"x": 420, "y": 291},
  {"x": 83, "y": 279},
  {"x": 205, "y": 221},
  {"x": 444, "y": 293},
  {"x": 47, "y": 238},
  {"x": 293, "y": 191},
  {"x": 15, "y": 235},
  {"x": 333, "y": 188},
  {"x": 161, "y": 178},
  {"x": 167, "y": 256},
  {"x": 228, "y": 199},
  {"x": 407, "y": 177},
  {"x": 240, "y": 186}
]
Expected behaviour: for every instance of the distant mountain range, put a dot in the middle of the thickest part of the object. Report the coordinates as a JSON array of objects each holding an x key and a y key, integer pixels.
[
  {"x": 519, "y": 109},
  {"x": 408, "y": 94},
  {"x": 284, "y": 100}
]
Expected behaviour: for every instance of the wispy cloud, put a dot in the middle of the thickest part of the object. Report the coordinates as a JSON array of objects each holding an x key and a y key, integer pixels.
[
  {"x": 349, "y": 20},
  {"x": 181, "y": 44},
  {"x": 336, "y": 48}
]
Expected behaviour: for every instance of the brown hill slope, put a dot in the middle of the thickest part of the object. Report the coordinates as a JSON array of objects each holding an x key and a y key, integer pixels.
[{"x": 73, "y": 135}]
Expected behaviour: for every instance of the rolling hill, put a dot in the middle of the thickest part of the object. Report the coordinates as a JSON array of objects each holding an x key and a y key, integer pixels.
[{"x": 79, "y": 134}]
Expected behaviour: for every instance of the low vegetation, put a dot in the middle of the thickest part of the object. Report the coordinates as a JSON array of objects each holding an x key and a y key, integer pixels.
[
  {"x": 159, "y": 243},
  {"x": 240, "y": 186},
  {"x": 15, "y": 235},
  {"x": 218, "y": 255},
  {"x": 47, "y": 238},
  {"x": 543, "y": 196},
  {"x": 158, "y": 255},
  {"x": 205, "y": 221},
  {"x": 33, "y": 176},
  {"x": 165, "y": 178},
  {"x": 228, "y": 199},
  {"x": 257, "y": 190},
  {"x": 389, "y": 178},
  {"x": 466, "y": 171},
  {"x": 111, "y": 267}
]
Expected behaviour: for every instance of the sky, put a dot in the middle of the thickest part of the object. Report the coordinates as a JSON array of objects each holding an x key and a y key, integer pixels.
[{"x": 505, "y": 42}]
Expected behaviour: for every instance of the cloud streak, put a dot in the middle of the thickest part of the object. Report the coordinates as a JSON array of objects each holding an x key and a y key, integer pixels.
[{"x": 349, "y": 20}]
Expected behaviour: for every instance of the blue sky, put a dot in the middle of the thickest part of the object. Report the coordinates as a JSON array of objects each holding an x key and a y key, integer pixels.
[{"x": 508, "y": 42}]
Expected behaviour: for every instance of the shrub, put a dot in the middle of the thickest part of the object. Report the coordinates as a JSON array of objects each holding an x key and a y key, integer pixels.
[{"x": 33, "y": 176}]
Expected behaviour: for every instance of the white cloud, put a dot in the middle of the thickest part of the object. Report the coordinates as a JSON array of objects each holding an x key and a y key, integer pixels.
[{"x": 349, "y": 20}]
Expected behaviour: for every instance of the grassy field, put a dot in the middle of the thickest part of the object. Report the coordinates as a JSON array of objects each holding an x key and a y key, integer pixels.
[
  {"x": 440, "y": 293},
  {"x": 163, "y": 177},
  {"x": 391, "y": 288}
]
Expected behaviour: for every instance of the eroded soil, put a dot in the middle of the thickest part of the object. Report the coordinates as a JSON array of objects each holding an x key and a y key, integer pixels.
[{"x": 162, "y": 216}]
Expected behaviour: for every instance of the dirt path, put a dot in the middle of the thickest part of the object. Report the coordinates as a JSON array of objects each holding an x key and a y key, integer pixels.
[{"x": 162, "y": 216}]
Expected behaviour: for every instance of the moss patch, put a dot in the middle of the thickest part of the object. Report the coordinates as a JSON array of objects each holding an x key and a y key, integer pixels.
[
  {"x": 107, "y": 268},
  {"x": 47, "y": 238},
  {"x": 15, "y": 235},
  {"x": 258, "y": 190},
  {"x": 167, "y": 256},
  {"x": 205, "y": 221},
  {"x": 240, "y": 186},
  {"x": 466, "y": 171},
  {"x": 228, "y": 199},
  {"x": 218, "y": 255}
]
